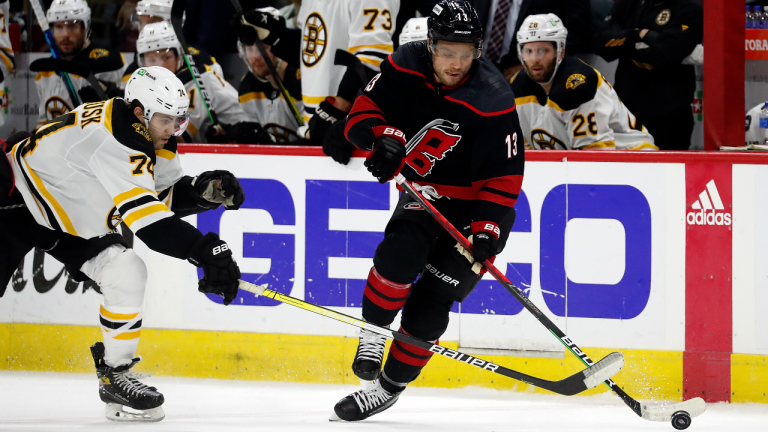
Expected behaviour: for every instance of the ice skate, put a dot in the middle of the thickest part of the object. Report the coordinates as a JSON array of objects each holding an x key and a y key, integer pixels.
[
  {"x": 364, "y": 403},
  {"x": 120, "y": 387},
  {"x": 369, "y": 356}
]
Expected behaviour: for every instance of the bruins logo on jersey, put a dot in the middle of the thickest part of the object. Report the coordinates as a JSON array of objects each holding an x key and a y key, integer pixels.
[
  {"x": 314, "y": 38},
  {"x": 141, "y": 130},
  {"x": 574, "y": 81},
  {"x": 282, "y": 134},
  {"x": 545, "y": 141},
  {"x": 193, "y": 51},
  {"x": 113, "y": 219},
  {"x": 98, "y": 53},
  {"x": 663, "y": 17},
  {"x": 55, "y": 106}
]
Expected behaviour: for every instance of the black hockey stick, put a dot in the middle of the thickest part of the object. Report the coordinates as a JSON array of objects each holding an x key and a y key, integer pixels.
[
  {"x": 37, "y": 6},
  {"x": 272, "y": 69},
  {"x": 346, "y": 58},
  {"x": 574, "y": 384},
  {"x": 674, "y": 412},
  {"x": 60, "y": 65},
  {"x": 177, "y": 13}
]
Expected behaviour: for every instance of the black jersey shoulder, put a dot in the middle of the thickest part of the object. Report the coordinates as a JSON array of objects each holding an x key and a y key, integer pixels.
[
  {"x": 575, "y": 84},
  {"x": 129, "y": 130},
  {"x": 250, "y": 84},
  {"x": 100, "y": 59},
  {"x": 525, "y": 88},
  {"x": 130, "y": 69},
  {"x": 411, "y": 62},
  {"x": 200, "y": 56},
  {"x": 485, "y": 91},
  {"x": 185, "y": 76}
]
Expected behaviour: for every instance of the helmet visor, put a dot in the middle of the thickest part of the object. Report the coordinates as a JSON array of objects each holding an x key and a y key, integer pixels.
[
  {"x": 165, "y": 124},
  {"x": 534, "y": 52}
]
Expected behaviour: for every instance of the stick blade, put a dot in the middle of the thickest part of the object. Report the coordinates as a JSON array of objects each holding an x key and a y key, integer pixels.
[
  {"x": 663, "y": 413},
  {"x": 603, "y": 370}
]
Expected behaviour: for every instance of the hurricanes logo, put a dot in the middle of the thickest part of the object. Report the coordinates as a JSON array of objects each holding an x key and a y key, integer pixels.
[
  {"x": 315, "y": 36},
  {"x": 709, "y": 208},
  {"x": 141, "y": 130},
  {"x": 98, "y": 53},
  {"x": 574, "y": 81},
  {"x": 113, "y": 219},
  {"x": 545, "y": 141},
  {"x": 55, "y": 106},
  {"x": 432, "y": 146},
  {"x": 663, "y": 17}
]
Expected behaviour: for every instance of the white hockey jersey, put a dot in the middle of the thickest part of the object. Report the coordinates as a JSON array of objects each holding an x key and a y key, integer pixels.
[
  {"x": 52, "y": 92},
  {"x": 6, "y": 51},
  {"x": 264, "y": 104},
  {"x": 582, "y": 111},
  {"x": 753, "y": 134},
  {"x": 362, "y": 27},
  {"x": 93, "y": 167},
  {"x": 224, "y": 99}
]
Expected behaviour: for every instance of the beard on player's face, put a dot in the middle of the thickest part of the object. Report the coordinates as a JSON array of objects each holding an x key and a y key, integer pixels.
[
  {"x": 69, "y": 36},
  {"x": 540, "y": 59},
  {"x": 452, "y": 61}
]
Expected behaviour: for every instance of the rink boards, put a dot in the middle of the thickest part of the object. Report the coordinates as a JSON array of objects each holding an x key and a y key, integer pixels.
[{"x": 656, "y": 255}]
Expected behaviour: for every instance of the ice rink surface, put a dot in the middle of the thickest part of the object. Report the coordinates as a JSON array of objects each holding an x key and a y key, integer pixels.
[{"x": 37, "y": 401}]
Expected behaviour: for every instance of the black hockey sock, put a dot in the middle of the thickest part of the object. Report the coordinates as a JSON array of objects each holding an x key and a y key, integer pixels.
[
  {"x": 405, "y": 362},
  {"x": 382, "y": 298}
]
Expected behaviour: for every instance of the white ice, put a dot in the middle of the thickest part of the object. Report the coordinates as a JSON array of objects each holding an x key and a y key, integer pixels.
[{"x": 35, "y": 401}]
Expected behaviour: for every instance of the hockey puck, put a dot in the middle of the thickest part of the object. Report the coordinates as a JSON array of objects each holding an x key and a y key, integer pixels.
[{"x": 681, "y": 420}]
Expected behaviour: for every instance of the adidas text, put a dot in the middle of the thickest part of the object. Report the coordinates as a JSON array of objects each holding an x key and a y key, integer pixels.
[{"x": 708, "y": 217}]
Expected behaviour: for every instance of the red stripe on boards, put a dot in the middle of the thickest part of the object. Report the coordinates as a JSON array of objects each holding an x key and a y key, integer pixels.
[{"x": 708, "y": 285}]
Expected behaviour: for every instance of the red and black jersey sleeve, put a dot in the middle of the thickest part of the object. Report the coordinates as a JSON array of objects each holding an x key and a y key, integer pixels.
[
  {"x": 366, "y": 113},
  {"x": 498, "y": 163}
]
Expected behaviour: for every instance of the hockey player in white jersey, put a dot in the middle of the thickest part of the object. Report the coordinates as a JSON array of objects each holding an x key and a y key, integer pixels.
[
  {"x": 259, "y": 91},
  {"x": 7, "y": 61},
  {"x": 362, "y": 28},
  {"x": 158, "y": 45},
  {"x": 562, "y": 102},
  {"x": 70, "y": 22},
  {"x": 76, "y": 178}
]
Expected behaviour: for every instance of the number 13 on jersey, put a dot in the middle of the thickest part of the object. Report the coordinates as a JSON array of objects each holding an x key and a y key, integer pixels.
[{"x": 511, "y": 143}]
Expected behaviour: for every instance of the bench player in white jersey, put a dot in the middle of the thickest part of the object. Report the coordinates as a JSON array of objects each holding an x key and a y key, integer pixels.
[
  {"x": 78, "y": 177},
  {"x": 7, "y": 61},
  {"x": 259, "y": 92},
  {"x": 154, "y": 11},
  {"x": 70, "y": 22},
  {"x": 158, "y": 45},
  {"x": 563, "y": 103}
]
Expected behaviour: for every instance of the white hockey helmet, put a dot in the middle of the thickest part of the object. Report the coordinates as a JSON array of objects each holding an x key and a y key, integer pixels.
[
  {"x": 70, "y": 10},
  {"x": 160, "y": 92},
  {"x": 158, "y": 8},
  {"x": 543, "y": 28},
  {"x": 414, "y": 30},
  {"x": 159, "y": 37}
]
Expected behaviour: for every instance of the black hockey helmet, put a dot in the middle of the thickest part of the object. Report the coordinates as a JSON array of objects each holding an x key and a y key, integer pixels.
[{"x": 455, "y": 21}]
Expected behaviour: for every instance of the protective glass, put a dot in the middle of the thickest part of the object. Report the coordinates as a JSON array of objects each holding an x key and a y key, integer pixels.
[
  {"x": 164, "y": 123},
  {"x": 530, "y": 53}
]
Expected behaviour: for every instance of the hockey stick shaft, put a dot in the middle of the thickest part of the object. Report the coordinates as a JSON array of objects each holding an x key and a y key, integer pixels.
[
  {"x": 177, "y": 11},
  {"x": 43, "y": 22},
  {"x": 569, "y": 386},
  {"x": 516, "y": 292},
  {"x": 272, "y": 69}
]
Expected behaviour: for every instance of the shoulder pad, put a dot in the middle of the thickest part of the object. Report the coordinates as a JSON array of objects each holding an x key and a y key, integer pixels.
[
  {"x": 411, "y": 58},
  {"x": 100, "y": 59},
  {"x": 576, "y": 83},
  {"x": 128, "y": 130}
]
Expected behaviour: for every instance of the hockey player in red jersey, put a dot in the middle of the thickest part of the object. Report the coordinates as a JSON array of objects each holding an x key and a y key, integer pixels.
[{"x": 468, "y": 160}]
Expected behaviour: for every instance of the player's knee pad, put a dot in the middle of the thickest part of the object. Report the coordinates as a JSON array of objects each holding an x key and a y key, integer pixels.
[
  {"x": 403, "y": 252},
  {"x": 425, "y": 314},
  {"x": 449, "y": 273},
  {"x": 121, "y": 275}
]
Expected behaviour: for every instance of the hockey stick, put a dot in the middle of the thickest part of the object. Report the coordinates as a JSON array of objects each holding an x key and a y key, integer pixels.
[
  {"x": 574, "y": 384},
  {"x": 346, "y": 58},
  {"x": 69, "y": 67},
  {"x": 43, "y": 22},
  {"x": 272, "y": 69},
  {"x": 692, "y": 407},
  {"x": 177, "y": 13}
]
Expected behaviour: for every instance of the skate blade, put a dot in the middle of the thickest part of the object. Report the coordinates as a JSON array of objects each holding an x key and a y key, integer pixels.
[
  {"x": 115, "y": 412},
  {"x": 335, "y": 418}
]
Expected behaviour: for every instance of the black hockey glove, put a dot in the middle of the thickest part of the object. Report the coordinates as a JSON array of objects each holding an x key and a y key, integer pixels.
[
  {"x": 213, "y": 188},
  {"x": 388, "y": 154},
  {"x": 264, "y": 24},
  {"x": 335, "y": 144},
  {"x": 220, "y": 271},
  {"x": 485, "y": 239},
  {"x": 326, "y": 115},
  {"x": 212, "y": 137},
  {"x": 250, "y": 133}
]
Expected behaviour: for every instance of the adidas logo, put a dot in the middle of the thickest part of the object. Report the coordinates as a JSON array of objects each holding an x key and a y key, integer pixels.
[{"x": 710, "y": 208}]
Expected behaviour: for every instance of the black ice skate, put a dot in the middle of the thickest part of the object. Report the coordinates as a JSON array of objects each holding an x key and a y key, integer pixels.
[
  {"x": 364, "y": 403},
  {"x": 369, "y": 356},
  {"x": 120, "y": 387}
]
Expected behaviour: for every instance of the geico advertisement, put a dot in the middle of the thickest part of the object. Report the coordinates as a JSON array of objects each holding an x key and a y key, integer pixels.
[{"x": 599, "y": 247}]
